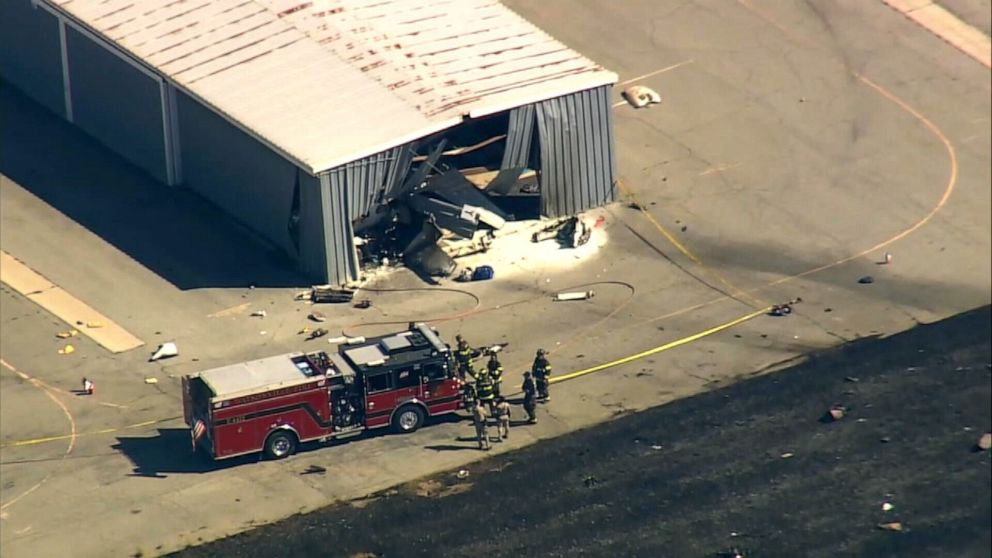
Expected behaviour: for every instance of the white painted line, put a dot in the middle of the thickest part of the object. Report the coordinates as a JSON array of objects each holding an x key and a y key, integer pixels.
[
  {"x": 948, "y": 27},
  {"x": 63, "y": 305},
  {"x": 650, "y": 74},
  {"x": 656, "y": 72}
]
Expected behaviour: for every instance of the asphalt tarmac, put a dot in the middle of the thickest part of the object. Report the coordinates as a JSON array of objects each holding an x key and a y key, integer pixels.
[{"x": 754, "y": 466}]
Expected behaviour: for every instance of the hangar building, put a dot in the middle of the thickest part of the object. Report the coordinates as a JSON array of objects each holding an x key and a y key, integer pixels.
[{"x": 296, "y": 116}]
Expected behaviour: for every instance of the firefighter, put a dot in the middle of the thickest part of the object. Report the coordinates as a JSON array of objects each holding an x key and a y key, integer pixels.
[
  {"x": 463, "y": 356},
  {"x": 484, "y": 391},
  {"x": 530, "y": 398},
  {"x": 468, "y": 395},
  {"x": 480, "y": 416},
  {"x": 502, "y": 418},
  {"x": 542, "y": 375},
  {"x": 495, "y": 370}
]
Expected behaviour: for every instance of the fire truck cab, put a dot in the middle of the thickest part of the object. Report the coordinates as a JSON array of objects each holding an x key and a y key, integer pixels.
[{"x": 276, "y": 403}]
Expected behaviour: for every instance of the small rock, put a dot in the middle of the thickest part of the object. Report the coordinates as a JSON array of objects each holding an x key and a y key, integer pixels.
[
  {"x": 985, "y": 442},
  {"x": 866, "y": 280},
  {"x": 590, "y": 481},
  {"x": 892, "y": 526}
]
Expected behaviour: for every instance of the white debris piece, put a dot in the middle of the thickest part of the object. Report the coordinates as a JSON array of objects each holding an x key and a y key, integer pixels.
[
  {"x": 165, "y": 350},
  {"x": 580, "y": 295},
  {"x": 640, "y": 96}
]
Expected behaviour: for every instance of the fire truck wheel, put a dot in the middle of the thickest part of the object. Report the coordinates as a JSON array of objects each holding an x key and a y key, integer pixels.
[
  {"x": 280, "y": 444},
  {"x": 408, "y": 418}
]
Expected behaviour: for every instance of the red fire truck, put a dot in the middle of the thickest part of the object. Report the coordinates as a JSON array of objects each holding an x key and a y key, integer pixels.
[{"x": 274, "y": 404}]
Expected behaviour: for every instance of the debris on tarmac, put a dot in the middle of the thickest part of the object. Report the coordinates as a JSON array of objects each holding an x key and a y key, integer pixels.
[
  {"x": 67, "y": 334},
  {"x": 866, "y": 280},
  {"x": 67, "y": 350},
  {"x": 259, "y": 314},
  {"x": 887, "y": 506},
  {"x": 852, "y": 379},
  {"x": 834, "y": 414},
  {"x": 314, "y": 469},
  {"x": 462, "y": 474},
  {"x": 787, "y": 455},
  {"x": 165, "y": 350},
  {"x": 891, "y": 526},
  {"x": 985, "y": 442},
  {"x": 580, "y": 295},
  {"x": 319, "y": 332},
  {"x": 640, "y": 96},
  {"x": 95, "y": 325},
  {"x": 317, "y": 317},
  {"x": 590, "y": 481},
  {"x": 151, "y": 380}
]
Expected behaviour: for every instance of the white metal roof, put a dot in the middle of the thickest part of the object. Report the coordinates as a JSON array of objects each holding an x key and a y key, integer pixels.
[
  {"x": 326, "y": 82},
  {"x": 245, "y": 377}
]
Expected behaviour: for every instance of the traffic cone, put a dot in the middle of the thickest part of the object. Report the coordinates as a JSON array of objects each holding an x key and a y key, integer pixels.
[{"x": 88, "y": 387}]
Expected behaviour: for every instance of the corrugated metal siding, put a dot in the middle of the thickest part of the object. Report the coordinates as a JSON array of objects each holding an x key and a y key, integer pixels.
[
  {"x": 30, "y": 53},
  {"x": 236, "y": 172},
  {"x": 518, "y": 137},
  {"x": 312, "y": 260},
  {"x": 578, "y": 162},
  {"x": 339, "y": 248},
  {"x": 124, "y": 112}
]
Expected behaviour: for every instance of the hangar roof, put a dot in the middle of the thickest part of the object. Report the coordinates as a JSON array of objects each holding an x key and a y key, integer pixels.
[{"x": 325, "y": 82}]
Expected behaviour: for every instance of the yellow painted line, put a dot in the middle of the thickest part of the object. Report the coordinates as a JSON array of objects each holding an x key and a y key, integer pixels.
[
  {"x": 658, "y": 349},
  {"x": 47, "y": 439},
  {"x": 735, "y": 291},
  {"x": 63, "y": 305}
]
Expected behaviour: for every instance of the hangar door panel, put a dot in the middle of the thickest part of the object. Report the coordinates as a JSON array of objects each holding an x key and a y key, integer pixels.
[
  {"x": 117, "y": 104},
  {"x": 30, "y": 54}
]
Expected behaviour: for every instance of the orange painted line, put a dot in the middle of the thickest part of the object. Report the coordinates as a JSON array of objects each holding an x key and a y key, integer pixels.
[{"x": 72, "y": 436}]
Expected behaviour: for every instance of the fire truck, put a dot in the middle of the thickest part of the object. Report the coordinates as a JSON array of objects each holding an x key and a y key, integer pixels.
[{"x": 274, "y": 404}]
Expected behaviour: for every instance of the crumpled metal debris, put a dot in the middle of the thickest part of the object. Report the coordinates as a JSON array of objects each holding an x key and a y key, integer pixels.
[
  {"x": 165, "y": 350},
  {"x": 640, "y": 96},
  {"x": 328, "y": 294}
]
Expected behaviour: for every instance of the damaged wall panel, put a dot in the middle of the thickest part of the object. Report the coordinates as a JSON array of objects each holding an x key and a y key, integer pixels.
[
  {"x": 578, "y": 164},
  {"x": 518, "y": 138}
]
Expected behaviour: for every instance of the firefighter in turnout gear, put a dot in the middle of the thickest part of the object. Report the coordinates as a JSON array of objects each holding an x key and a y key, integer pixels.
[
  {"x": 484, "y": 391},
  {"x": 502, "y": 418},
  {"x": 530, "y": 398},
  {"x": 542, "y": 375},
  {"x": 463, "y": 357},
  {"x": 480, "y": 417},
  {"x": 495, "y": 370},
  {"x": 468, "y": 395}
]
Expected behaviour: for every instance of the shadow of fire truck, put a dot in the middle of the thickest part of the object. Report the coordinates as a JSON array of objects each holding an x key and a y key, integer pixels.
[{"x": 170, "y": 452}]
